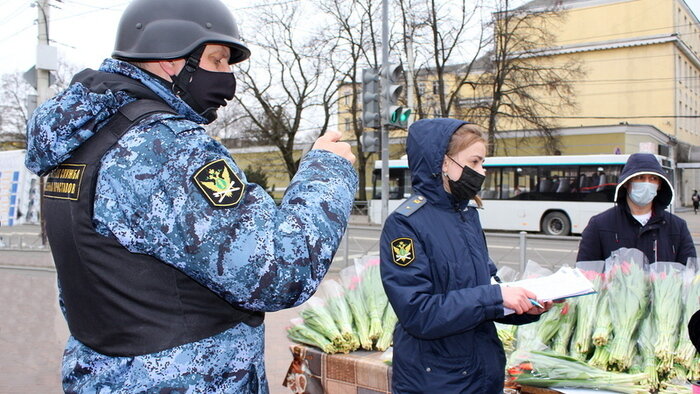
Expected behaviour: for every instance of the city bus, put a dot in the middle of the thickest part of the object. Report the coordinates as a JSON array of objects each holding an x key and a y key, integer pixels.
[{"x": 555, "y": 195}]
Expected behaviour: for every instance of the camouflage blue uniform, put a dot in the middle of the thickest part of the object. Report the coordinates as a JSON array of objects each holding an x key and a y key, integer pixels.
[{"x": 256, "y": 255}]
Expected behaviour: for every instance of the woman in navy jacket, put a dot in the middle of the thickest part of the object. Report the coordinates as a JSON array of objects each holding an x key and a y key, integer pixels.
[
  {"x": 639, "y": 219},
  {"x": 437, "y": 273}
]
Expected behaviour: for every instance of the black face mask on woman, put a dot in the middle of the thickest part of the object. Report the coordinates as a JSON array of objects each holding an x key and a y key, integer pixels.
[{"x": 468, "y": 184}]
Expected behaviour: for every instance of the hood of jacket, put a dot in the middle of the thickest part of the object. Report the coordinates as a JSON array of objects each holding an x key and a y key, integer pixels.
[
  {"x": 426, "y": 147},
  {"x": 639, "y": 164},
  {"x": 64, "y": 122}
]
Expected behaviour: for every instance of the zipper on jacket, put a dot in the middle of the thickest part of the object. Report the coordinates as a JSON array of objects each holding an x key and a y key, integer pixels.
[{"x": 459, "y": 212}]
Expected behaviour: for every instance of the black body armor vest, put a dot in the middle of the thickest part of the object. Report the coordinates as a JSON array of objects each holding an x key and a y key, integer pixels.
[{"x": 117, "y": 302}]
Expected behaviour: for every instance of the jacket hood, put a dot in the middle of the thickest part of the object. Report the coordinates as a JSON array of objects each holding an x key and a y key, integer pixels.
[
  {"x": 64, "y": 122},
  {"x": 426, "y": 147},
  {"x": 639, "y": 164}
]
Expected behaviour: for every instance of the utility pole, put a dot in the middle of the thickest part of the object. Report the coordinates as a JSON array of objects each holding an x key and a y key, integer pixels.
[
  {"x": 45, "y": 62},
  {"x": 409, "y": 78},
  {"x": 385, "y": 129}
]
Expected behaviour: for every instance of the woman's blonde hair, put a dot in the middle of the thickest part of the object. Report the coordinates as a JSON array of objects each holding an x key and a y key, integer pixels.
[{"x": 465, "y": 136}]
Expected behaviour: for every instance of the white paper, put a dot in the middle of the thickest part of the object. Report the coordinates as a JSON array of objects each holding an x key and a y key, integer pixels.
[{"x": 566, "y": 282}]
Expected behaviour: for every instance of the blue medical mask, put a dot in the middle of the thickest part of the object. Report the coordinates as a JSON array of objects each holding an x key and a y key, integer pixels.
[{"x": 642, "y": 193}]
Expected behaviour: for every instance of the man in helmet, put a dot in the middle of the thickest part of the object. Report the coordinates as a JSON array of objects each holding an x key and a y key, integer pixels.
[{"x": 167, "y": 258}]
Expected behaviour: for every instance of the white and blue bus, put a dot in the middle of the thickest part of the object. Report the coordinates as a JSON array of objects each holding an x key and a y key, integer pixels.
[{"x": 556, "y": 195}]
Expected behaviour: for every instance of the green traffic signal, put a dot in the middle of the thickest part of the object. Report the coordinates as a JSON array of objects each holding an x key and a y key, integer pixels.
[
  {"x": 405, "y": 115},
  {"x": 399, "y": 116}
]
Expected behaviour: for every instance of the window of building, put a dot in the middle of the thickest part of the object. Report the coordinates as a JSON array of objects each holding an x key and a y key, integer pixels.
[{"x": 436, "y": 87}]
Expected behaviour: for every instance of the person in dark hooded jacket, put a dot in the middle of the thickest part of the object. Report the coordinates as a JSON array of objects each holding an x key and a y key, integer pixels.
[
  {"x": 437, "y": 273},
  {"x": 639, "y": 218}
]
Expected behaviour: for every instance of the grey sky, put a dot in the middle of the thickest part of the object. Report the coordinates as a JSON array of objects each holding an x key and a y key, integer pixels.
[{"x": 82, "y": 30}]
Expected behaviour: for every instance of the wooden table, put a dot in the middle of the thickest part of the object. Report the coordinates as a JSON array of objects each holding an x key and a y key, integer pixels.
[
  {"x": 359, "y": 372},
  {"x": 315, "y": 372}
]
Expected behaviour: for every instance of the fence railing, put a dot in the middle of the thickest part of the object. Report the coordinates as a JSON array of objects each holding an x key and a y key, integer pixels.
[
  {"x": 518, "y": 248},
  {"x": 21, "y": 241}
]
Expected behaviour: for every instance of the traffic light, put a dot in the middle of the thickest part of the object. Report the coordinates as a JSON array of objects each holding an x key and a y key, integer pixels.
[
  {"x": 370, "y": 98},
  {"x": 371, "y": 141},
  {"x": 393, "y": 114}
]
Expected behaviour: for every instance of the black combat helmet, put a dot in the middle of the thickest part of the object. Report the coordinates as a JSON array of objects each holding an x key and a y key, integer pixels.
[{"x": 172, "y": 29}]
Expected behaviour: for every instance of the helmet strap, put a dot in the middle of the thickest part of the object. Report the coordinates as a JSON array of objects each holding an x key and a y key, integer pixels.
[{"x": 181, "y": 81}]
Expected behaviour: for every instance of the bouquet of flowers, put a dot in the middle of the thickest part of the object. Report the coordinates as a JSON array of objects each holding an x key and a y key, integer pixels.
[
  {"x": 506, "y": 333},
  {"x": 685, "y": 351},
  {"x": 389, "y": 320},
  {"x": 666, "y": 309},
  {"x": 352, "y": 282},
  {"x": 587, "y": 309},
  {"x": 560, "y": 343},
  {"x": 373, "y": 291},
  {"x": 301, "y": 333},
  {"x": 318, "y": 317},
  {"x": 548, "y": 369},
  {"x": 338, "y": 306},
  {"x": 628, "y": 291},
  {"x": 646, "y": 351}
]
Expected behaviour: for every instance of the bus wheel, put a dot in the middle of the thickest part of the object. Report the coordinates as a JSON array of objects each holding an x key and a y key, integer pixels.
[{"x": 556, "y": 223}]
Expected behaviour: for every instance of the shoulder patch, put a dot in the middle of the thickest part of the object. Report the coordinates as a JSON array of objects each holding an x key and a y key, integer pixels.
[
  {"x": 411, "y": 205},
  {"x": 402, "y": 251},
  {"x": 219, "y": 184}
]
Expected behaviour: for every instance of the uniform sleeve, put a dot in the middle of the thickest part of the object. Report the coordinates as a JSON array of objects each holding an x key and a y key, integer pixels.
[
  {"x": 589, "y": 247},
  {"x": 255, "y": 254},
  {"x": 422, "y": 311},
  {"x": 687, "y": 247}
]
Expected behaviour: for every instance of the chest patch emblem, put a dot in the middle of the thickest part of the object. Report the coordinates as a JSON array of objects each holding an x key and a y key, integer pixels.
[
  {"x": 402, "y": 252},
  {"x": 64, "y": 182},
  {"x": 219, "y": 184}
]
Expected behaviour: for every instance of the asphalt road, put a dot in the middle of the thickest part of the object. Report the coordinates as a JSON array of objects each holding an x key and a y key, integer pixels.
[{"x": 504, "y": 248}]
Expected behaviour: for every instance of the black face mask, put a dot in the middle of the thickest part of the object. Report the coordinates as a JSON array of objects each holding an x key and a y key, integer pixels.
[
  {"x": 209, "y": 90},
  {"x": 204, "y": 91},
  {"x": 468, "y": 184}
]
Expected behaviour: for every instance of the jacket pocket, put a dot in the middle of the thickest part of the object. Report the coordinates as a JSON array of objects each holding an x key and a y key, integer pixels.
[
  {"x": 455, "y": 347},
  {"x": 449, "y": 372}
]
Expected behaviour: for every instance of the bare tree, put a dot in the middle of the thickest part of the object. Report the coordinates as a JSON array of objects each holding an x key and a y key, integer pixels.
[
  {"x": 63, "y": 75},
  {"x": 355, "y": 25},
  {"x": 18, "y": 100},
  {"x": 15, "y": 109},
  {"x": 287, "y": 82},
  {"x": 231, "y": 126},
  {"x": 446, "y": 50},
  {"x": 520, "y": 86}
]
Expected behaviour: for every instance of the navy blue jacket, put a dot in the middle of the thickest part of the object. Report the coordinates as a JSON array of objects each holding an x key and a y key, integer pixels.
[
  {"x": 436, "y": 272},
  {"x": 665, "y": 237}
]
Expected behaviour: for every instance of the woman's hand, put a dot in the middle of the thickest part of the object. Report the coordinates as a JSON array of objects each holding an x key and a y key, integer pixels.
[
  {"x": 518, "y": 299},
  {"x": 538, "y": 311}
]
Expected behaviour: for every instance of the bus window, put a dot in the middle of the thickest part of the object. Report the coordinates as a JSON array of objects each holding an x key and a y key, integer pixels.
[
  {"x": 518, "y": 182},
  {"x": 489, "y": 191},
  {"x": 598, "y": 183},
  {"x": 562, "y": 182},
  {"x": 399, "y": 184}
]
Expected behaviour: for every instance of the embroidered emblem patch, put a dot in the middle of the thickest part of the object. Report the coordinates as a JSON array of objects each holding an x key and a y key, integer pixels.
[
  {"x": 402, "y": 251},
  {"x": 64, "y": 182},
  {"x": 219, "y": 184}
]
